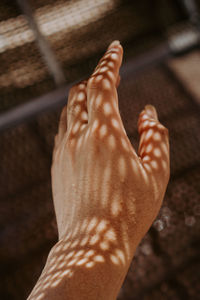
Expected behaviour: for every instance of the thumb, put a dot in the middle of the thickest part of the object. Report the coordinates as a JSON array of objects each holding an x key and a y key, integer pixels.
[{"x": 154, "y": 143}]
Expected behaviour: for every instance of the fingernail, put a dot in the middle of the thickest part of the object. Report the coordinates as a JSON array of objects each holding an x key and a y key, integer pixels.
[
  {"x": 114, "y": 44},
  {"x": 151, "y": 111}
]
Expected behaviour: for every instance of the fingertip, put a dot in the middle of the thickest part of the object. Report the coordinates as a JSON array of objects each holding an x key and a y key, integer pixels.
[
  {"x": 114, "y": 44},
  {"x": 151, "y": 111}
]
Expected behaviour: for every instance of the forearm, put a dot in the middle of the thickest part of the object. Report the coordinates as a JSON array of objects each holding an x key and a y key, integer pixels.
[{"x": 81, "y": 272}]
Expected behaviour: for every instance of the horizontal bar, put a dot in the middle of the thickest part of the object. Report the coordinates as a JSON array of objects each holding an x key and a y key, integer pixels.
[{"x": 58, "y": 98}]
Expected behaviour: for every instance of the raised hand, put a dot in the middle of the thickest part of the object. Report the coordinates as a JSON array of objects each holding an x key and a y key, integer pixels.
[{"x": 106, "y": 196}]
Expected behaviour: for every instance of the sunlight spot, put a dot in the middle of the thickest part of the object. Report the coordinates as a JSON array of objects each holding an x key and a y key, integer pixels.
[
  {"x": 82, "y": 261},
  {"x": 72, "y": 262},
  {"x": 106, "y": 84},
  {"x": 82, "y": 127},
  {"x": 70, "y": 254},
  {"x": 52, "y": 268},
  {"x": 142, "y": 137},
  {"x": 103, "y": 63},
  {"x": 81, "y": 86},
  {"x": 55, "y": 283},
  {"x": 122, "y": 166},
  {"x": 87, "y": 134},
  {"x": 154, "y": 164},
  {"x": 77, "y": 226},
  {"x": 84, "y": 241},
  {"x": 120, "y": 255},
  {"x": 164, "y": 164},
  {"x": 114, "y": 259},
  {"x": 58, "y": 248},
  {"x": 103, "y": 130},
  {"x": 66, "y": 272},
  {"x": 145, "y": 124},
  {"x": 157, "y": 152},
  {"x": 46, "y": 285},
  {"x": 94, "y": 240},
  {"x": 124, "y": 143},
  {"x": 52, "y": 260},
  {"x": 99, "y": 78},
  {"x": 102, "y": 226},
  {"x": 74, "y": 244},
  {"x": 111, "y": 64},
  {"x": 106, "y": 56},
  {"x": 81, "y": 96},
  {"x": 144, "y": 173},
  {"x": 146, "y": 158},
  {"x": 106, "y": 175},
  {"x": 40, "y": 296},
  {"x": 96, "y": 71},
  {"x": 156, "y": 136},
  {"x": 104, "y": 245},
  {"x": 149, "y": 134},
  {"x": 65, "y": 247},
  {"x": 164, "y": 148},
  {"x": 114, "y": 56},
  {"x": 84, "y": 225},
  {"x": 111, "y": 75},
  {"x": 147, "y": 167},
  {"x": 97, "y": 101},
  {"x": 46, "y": 278},
  {"x": 79, "y": 253},
  {"x": 84, "y": 116},
  {"x": 144, "y": 117},
  {"x": 104, "y": 69},
  {"x": 90, "y": 264},
  {"x": 160, "y": 127},
  {"x": 90, "y": 253},
  {"x": 110, "y": 235},
  {"x": 116, "y": 206},
  {"x": 95, "y": 125},
  {"x": 62, "y": 264},
  {"x": 76, "y": 127},
  {"x": 152, "y": 123},
  {"x": 134, "y": 165},
  {"x": 111, "y": 141},
  {"x": 115, "y": 123},
  {"x": 149, "y": 148},
  {"x": 77, "y": 109},
  {"x": 61, "y": 257},
  {"x": 98, "y": 258},
  {"x": 107, "y": 108},
  {"x": 92, "y": 224},
  {"x": 79, "y": 142},
  {"x": 55, "y": 275}
]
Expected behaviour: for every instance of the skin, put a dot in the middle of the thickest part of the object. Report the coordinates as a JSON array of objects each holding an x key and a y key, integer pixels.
[{"x": 106, "y": 196}]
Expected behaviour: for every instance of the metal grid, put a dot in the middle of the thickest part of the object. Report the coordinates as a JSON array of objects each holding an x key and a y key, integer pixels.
[{"x": 167, "y": 261}]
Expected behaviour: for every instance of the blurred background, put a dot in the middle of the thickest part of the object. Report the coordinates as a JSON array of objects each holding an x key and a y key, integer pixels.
[{"x": 46, "y": 46}]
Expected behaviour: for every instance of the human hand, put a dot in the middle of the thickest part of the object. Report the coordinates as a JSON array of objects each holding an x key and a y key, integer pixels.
[
  {"x": 106, "y": 196},
  {"x": 96, "y": 173}
]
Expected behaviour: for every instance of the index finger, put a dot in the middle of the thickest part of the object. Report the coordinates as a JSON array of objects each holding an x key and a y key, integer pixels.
[{"x": 101, "y": 87}]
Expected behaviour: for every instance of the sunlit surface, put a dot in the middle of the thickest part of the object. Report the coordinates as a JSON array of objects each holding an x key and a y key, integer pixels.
[{"x": 64, "y": 17}]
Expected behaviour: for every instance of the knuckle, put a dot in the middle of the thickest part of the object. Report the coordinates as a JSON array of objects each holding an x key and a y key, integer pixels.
[{"x": 93, "y": 83}]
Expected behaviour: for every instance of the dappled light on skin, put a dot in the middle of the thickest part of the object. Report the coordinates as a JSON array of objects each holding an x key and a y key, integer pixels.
[
  {"x": 107, "y": 108},
  {"x": 69, "y": 255},
  {"x": 107, "y": 196}
]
